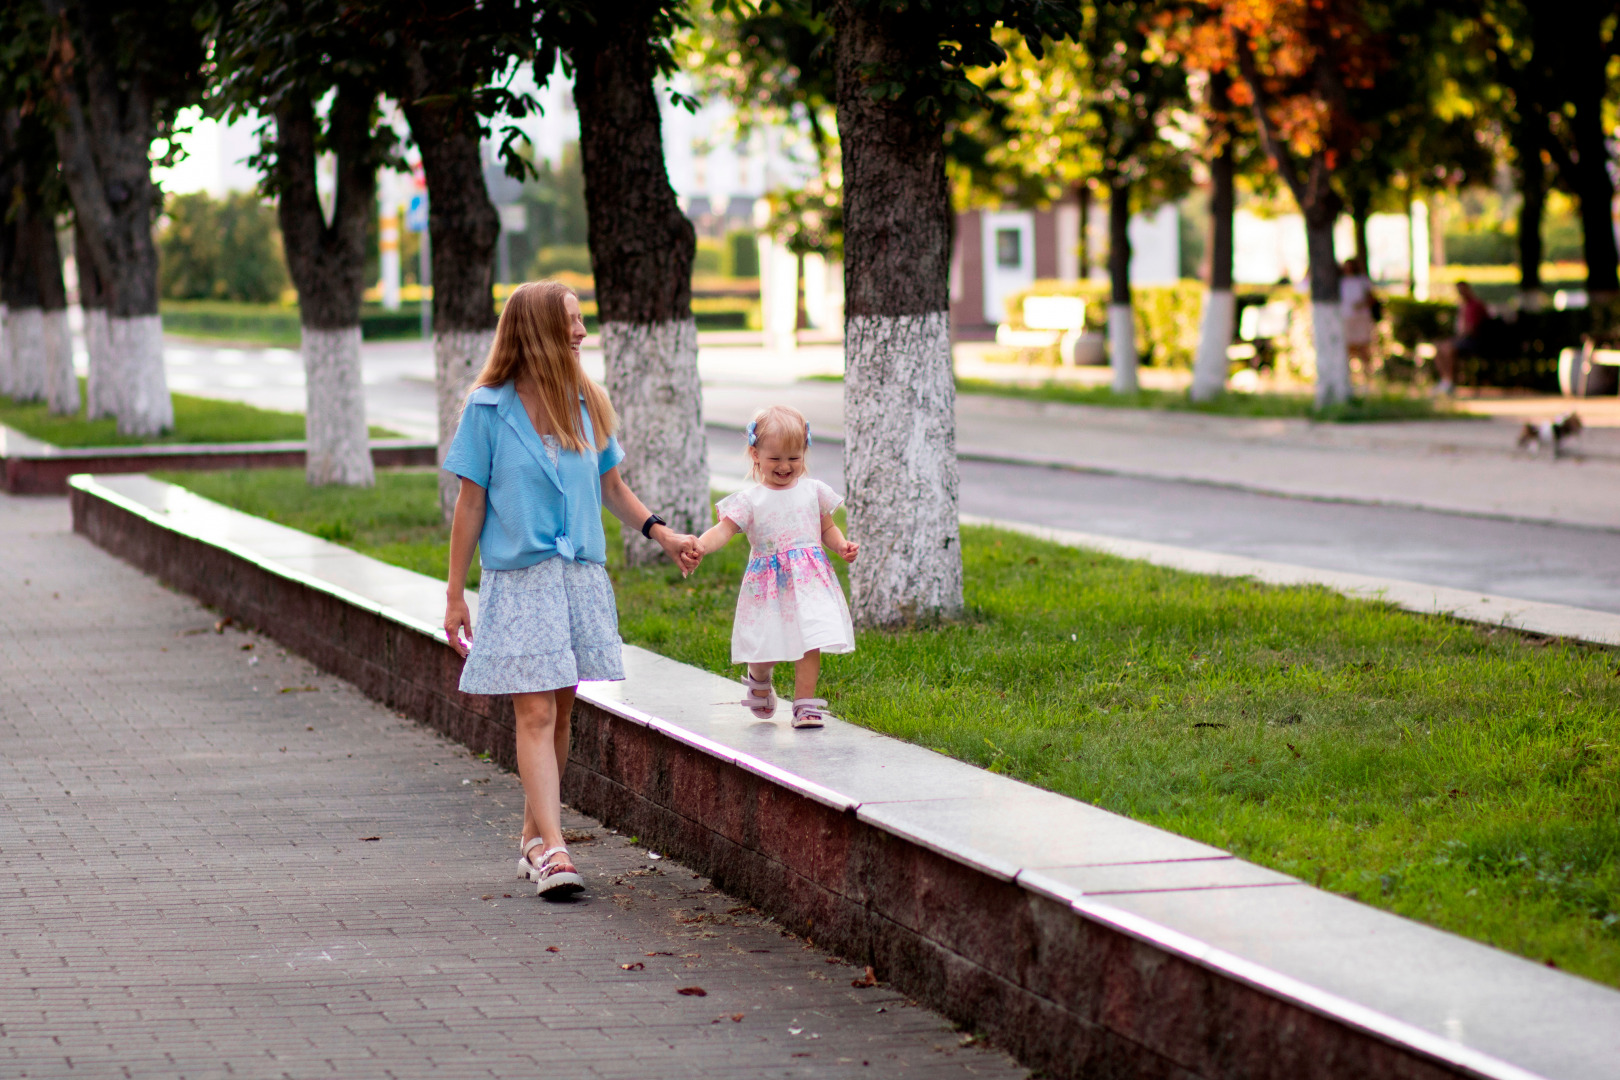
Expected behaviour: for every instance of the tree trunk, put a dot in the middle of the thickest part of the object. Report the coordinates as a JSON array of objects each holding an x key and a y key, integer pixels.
[
  {"x": 101, "y": 388},
  {"x": 463, "y": 229},
  {"x": 59, "y": 384},
  {"x": 25, "y": 325},
  {"x": 1533, "y": 199},
  {"x": 1591, "y": 179},
  {"x": 1327, "y": 317},
  {"x": 642, "y": 247},
  {"x": 1122, "y": 353},
  {"x": 1083, "y": 196},
  {"x": 1220, "y": 306},
  {"x": 327, "y": 262},
  {"x": 104, "y": 142},
  {"x": 1358, "y": 223},
  {"x": 899, "y": 395}
]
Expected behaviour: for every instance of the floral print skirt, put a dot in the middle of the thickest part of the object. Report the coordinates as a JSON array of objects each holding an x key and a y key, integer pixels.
[{"x": 544, "y": 627}]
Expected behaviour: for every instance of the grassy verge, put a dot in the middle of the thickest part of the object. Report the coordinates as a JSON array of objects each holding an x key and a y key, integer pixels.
[
  {"x": 1297, "y": 406},
  {"x": 196, "y": 420},
  {"x": 1466, "y": 777}
]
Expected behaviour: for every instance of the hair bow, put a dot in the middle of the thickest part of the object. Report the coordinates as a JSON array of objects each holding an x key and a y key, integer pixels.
[
  {"x": 808, "y": 441},
  {"x": 753, "y": 433}
]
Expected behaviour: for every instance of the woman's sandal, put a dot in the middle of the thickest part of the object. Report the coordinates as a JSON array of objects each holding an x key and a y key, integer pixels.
[
  {"x": 549, "y": 878},
  {"x": 810, "y": 712},
  {"x": 762, "y": 707}
]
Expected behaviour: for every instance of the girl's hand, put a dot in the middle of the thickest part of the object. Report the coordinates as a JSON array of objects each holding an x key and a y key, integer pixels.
[
  {"x": 847, "y": 550},
  {"x": 457, "y": 619},
  {"x": 673, "y": 543},
  {"x": 691, "y": 556}
]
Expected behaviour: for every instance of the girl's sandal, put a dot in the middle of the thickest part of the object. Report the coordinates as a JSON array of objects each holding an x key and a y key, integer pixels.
[
  {"x": 809, "y": 712},
  {"x": 762, "y": 707},
  {"x": 550, "y": 879}
]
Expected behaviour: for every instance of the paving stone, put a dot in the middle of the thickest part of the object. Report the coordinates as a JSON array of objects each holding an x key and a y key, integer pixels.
[{"x": 190, "y": 891}]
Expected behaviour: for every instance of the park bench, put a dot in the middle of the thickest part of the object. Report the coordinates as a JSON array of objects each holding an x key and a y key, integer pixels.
[
  {"x": 1054, "y": 320},
  {"x": 1587, "y": 371}
]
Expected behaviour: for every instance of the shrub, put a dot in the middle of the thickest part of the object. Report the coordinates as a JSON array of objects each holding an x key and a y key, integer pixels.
[
  {"x": 1491, "y": 248},
  {"x": 1520, "y": 350},
  {"x": 220, "y": 249},
  {"x": 549, "y": 261},
  {"x": 1167, "y": 316},
  {"x": 742, "y": 248},
  {"x": 710, "y": 257}
]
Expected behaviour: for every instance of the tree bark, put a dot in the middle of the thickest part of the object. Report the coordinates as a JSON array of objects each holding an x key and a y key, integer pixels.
[
  {"x": 1220, "y": 306},
  {"x": 104, "y": 142},
  {"x": 1122, "y": 354},
  {"x": 102, "y": 385},
  {"x": 25, "y": 326},
  {"x": 327, "y": 261},
  {"x": 1327, "y": 317},
  {"x": 1533, "y": 200},
  {"x": 1083, "y": 196},
  {"x": 1591, "y": 180},
  {"x": 59, "y": 384},
  {"x": 642, "y": 247},
  {"x": 899, "y": 395},
  {"x": 463, "y": 230}
]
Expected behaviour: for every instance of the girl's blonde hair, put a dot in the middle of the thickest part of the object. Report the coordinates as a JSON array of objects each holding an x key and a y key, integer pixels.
[
  {"x": 787, "y": 424},
  {"x": 532, "y": 339}
]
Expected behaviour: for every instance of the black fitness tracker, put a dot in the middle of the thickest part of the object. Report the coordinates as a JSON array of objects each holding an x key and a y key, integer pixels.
[{"x": 646, "y": 526}]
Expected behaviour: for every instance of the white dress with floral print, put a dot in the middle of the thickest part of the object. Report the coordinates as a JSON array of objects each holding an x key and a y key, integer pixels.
[{"x": 791, "y": 601}]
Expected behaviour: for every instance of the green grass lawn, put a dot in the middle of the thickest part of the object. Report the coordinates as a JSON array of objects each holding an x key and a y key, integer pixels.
[
  {"x": 196, "y": 420},
  {"x": 1456, "y": 774},
  {"x": 1297, "y": 406}
]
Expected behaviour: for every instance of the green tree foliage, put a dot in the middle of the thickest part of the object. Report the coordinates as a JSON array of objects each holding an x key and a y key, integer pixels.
[{"x": 220, "y": 249}]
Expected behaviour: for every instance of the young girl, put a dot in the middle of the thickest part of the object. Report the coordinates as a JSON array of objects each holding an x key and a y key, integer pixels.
[{"x": 791, "y": 607}]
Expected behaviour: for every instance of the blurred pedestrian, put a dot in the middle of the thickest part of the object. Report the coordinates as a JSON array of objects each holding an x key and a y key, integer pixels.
[
  {"x": 538, "y": 460},
  {"x": 1471, "y": 316},
  {"x": 1358, "y": 305}
]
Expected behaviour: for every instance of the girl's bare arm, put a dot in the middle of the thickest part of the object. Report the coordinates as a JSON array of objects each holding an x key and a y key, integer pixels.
[
  {"x": 834, "y": 540},
  {"x": 464, "y": 529},
  {"x": 718, "y": 537}
]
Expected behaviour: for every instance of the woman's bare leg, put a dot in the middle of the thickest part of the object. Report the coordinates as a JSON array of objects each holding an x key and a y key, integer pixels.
[
  {"x": 806, "y": 673},
  {"x": 542, "y": 753}
]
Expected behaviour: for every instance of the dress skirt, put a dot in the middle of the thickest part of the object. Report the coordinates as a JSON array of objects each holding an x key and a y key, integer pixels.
[
  {"x": 790, "y": 603},
  {"x": 544, "y": 627}
]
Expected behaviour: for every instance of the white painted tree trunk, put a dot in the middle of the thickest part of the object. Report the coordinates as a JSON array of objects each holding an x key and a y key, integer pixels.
[
  {"x": 1214, "y": 335},
  {"x": 1332, "y": 358},
  {"x": 5, "y": 351},
  {"x": 652, "y": 377},
  {"x": 145, "y": 406},
  {"x": 338, "y": 449},
  {"x": 61, "y": 381},
  {"x": 458, "y": 355},
  {"x": 101, "y": 389},
  {"x": 1122, "y": 347},
  {"x": 25, "y": 331},
  {"x": 900, "y": 468}
]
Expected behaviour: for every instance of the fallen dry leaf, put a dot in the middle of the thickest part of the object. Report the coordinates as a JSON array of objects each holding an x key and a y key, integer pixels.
[
  {"x": 693, "y": 991},
  {"x": 637, "y": 966},
  {"x": 868, "y": 979},
  {"x": 552, "y": 948},
  {"x": 736, "y": 1018},
  {"x": 369, "y": 839}
]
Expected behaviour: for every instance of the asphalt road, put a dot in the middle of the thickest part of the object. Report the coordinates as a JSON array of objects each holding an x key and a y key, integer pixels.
[{"x": 1552, "y": 563}]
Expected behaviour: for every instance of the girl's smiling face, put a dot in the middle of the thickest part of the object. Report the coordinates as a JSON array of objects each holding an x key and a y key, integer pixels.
[{"x": 778, "y": 466}]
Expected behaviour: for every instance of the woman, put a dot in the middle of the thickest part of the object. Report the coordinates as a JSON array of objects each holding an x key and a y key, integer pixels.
[
  {"x": 537, "y": 459},
  {"x": 1356, "y": 304},
  {"x": 1471, "y": 316}
]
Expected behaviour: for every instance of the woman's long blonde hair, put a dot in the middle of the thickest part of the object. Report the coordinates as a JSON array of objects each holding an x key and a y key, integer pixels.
[{"x": 532, "y": 339}]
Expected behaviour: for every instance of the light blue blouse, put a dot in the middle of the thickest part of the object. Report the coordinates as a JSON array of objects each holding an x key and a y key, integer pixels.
[{"x": 535, "y": 509}]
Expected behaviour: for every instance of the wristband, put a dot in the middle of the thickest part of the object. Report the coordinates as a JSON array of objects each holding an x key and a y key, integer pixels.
[{"x": 646, "y": 526}]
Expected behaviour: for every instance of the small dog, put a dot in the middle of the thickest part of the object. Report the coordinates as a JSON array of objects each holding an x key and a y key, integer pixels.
[{"x": 1550, "y": 432}]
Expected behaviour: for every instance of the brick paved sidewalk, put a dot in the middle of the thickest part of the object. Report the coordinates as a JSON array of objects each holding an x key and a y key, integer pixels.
[{"x": 189, "y": 888}]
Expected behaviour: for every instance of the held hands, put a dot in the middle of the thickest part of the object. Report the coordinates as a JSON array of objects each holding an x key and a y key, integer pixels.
[
  {"x": 683, "y": 548},
  {"x": 690, "y": 555}
]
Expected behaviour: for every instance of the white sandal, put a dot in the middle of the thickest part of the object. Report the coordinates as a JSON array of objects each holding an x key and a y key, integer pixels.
[
  {"x": 764, "y": 707},
  {"x": 549, "y": 879},
  {"x": 809, "y": 712}
]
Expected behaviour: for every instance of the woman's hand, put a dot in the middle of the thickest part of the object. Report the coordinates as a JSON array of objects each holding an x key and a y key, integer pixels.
[
  {"x": 678, "y": 546},
  {"x": 457, "y": 621}
]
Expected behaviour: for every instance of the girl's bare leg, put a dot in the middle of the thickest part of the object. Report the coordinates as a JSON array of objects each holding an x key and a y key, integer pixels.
[
  {"x": 806, "y": 673},
  {"x": 543, "y": 727},
  {"x": 761, "y": 672}
]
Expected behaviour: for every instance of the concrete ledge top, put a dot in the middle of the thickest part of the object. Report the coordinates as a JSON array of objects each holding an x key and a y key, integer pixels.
[
  {"x": 1484, "y": 1011},
  {"x": 15, "y": 444}
]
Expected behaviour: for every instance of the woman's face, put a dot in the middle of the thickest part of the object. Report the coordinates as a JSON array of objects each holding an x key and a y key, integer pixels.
[
  {"x": 576, "y": 323},
  {"x": 778, "y": 467}
]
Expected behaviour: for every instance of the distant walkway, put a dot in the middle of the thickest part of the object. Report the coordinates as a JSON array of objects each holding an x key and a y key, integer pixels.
[{"x": 220, "y": 861}]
